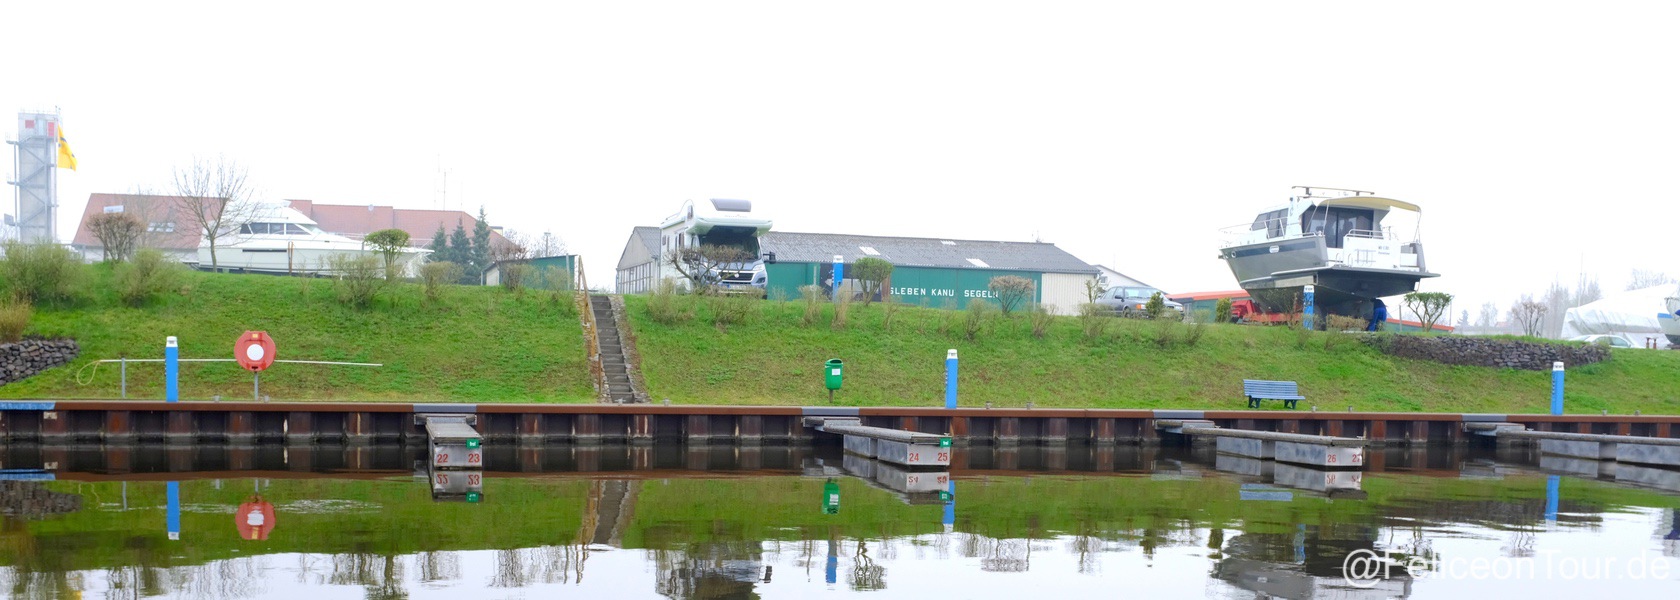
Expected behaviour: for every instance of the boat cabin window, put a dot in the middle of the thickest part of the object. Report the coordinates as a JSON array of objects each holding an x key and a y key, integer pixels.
[
  {"x": 1272, "y": 222},
  {"x": 275, "y": 229},
  {"x": 1336, "y": 223}
]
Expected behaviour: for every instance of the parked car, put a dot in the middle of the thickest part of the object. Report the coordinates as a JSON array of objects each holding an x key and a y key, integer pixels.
[
  {"x": 1604, "y": 339},
  {"x": 1130, "y": 301}
]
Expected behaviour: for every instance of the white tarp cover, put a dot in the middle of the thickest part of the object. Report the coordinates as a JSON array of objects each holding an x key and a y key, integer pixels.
[{"x": 1631, "y": 314}]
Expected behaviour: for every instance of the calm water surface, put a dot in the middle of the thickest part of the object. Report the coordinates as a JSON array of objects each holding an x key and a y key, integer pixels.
[{"x": 720, "y": 522}]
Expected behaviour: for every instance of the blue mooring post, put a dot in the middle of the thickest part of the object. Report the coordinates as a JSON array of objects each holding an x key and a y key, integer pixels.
[
  {"x": 1307, "y": 307},
  {"x": 950, "y": 519},
  {"x": 1551, "y": 498},
  {"x": 1557, "y": 388},
  {"x": 951, "y": 378},
  {"x": 839, "y": 274},
  {"x": 171, "y": 370},
  {"x": 172, "y": 516}
]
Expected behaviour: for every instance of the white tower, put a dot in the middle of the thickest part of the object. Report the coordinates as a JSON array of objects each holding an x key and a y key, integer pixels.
[{"x": 37, "y": 178}]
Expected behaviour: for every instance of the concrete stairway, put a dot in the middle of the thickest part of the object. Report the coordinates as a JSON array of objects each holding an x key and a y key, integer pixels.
[{"x": 615, "y": 364}]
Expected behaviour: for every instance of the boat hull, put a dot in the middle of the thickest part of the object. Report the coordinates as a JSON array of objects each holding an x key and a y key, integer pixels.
[
  {"x": 296, "y": 259},
  {"x": 1670, "y": 322},
  {"x": 1276, "y": 273}
]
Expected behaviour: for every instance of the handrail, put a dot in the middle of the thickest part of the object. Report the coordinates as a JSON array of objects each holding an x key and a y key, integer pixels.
[{"x": 592, "y": 330}]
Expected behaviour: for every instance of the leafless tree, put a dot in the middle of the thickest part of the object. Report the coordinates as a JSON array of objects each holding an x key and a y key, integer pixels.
[
  {"x": 1643, "y": 279},
  {"x": 1011, "y": 291},
  {"x": 1529, "y": 314},
  {"x": 700, "y": 264},
  {"x": 118, "y": 233},
  {"x": 215, "y": 198},
  {"x": 1488, "y": 317}
]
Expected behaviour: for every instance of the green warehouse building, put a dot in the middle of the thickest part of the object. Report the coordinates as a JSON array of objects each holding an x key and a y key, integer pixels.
[{"x": 933, "y": 272}]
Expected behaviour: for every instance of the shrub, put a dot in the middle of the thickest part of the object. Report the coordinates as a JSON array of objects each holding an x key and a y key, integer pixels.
[
  {"x": 149, "y": 274},
  {"x": 1041, "y": 319},
  {"x": 37, "y": 273},
  {"x": 811, "y": 296},
  {"x": 889, "y": 307},
  {"x": 389, "y": 243},
  {"x": 14, "y": 318},
  {"x": 666, "y": 306},
  {"x": 1194, "y": 332},
  {"x": 1164, "y": 333},
  {"x": 513, "y": 276},
  {"x": 1093, "y": 320},
  {"x": 435, "y": 275},
  {"x": 842, "y": 307},
  {"x": 1011, "y": 291},
  {"x": 872, "y": 272},
  {"x": 974, "y": 318},
  {"x": 1222, "y": 311},
  {"x": 1156, "y": 306},
  {"x": 358, "y": 278},
  {"x": 730, "y": 310}
]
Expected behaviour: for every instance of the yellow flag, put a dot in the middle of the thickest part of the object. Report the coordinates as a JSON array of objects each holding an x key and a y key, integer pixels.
[{"x": 66, "y": 158}]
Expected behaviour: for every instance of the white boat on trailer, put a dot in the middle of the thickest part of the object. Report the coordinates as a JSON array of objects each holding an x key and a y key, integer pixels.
[
  {"x": 281, "y": 240},
  {"x": 1348, "y": 244}
]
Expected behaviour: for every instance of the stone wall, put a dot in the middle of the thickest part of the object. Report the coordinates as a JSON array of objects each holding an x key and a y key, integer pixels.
[
  {"x": 1486, "y": 352},
  {"x": 21, "y": 360}
]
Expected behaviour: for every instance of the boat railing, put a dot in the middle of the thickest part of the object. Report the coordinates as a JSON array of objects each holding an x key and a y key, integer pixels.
[{"x": 1370, "y": 234}]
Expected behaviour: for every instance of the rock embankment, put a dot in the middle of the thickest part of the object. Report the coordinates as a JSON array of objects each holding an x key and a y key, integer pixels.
[
  {"x": 21, "y": 360},
  {"x": 1487, "y": 352}
]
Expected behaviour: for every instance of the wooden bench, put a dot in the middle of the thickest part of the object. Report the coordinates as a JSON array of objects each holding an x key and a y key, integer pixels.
[{"x": 1260, "y": 389}]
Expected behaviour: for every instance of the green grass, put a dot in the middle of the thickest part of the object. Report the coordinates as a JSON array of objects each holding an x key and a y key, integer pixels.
[
  {"x": 774, "y": 359},
  {"x": 477, "y": 344}
]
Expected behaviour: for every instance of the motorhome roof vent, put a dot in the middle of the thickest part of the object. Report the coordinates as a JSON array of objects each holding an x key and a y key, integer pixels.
[{"x": 728, "y": 205}]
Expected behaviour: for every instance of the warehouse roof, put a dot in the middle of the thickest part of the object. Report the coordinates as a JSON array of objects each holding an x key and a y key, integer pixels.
[{"x": 923, "y": 252}]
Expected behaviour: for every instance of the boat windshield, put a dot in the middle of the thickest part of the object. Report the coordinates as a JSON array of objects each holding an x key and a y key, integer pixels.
[
  {"x": 1335, "y": 223},
  {"x": 279, "y": 229}
]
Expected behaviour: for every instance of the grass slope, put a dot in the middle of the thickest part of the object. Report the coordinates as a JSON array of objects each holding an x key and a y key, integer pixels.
[
  {"x": 477, "y": 344},
  {"x": 773, "y": 358}
]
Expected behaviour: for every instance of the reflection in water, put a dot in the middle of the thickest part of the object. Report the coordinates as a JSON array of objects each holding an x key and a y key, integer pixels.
[{"x": 707, "y": 522}]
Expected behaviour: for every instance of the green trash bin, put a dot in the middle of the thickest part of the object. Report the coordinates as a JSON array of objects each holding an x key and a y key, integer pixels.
[{"x": 831, "y": 374}]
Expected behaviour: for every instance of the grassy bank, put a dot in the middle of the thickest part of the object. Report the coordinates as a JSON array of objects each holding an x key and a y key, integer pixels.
[
  {"x": 475, "y": 344},
  {"x": 774, "y": 357}
]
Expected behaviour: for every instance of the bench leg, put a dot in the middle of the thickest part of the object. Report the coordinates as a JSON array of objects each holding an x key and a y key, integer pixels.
[{"x": 1289, "y": 404}]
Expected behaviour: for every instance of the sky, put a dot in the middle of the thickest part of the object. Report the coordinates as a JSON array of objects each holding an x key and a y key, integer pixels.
[{"x": 1540, "y": 138}]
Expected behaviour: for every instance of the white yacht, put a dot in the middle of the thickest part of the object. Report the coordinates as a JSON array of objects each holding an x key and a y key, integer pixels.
[
  {"x": 279, "y": 239},
  {"x": 1670, "y": 320},
  {"x": 1352, "y": 246}
]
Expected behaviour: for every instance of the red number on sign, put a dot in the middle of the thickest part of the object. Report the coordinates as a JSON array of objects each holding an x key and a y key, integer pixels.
[
  {"x": 473, "y": 480},
  {"x": 441, "y": 458},
  {"x": 442, "y": 479},
  {"x": 474, "y": 458},
  {"x": 914, "y": 457},
  {"x": 941, "y": 480},
  {"x": 1331, "y": 458},
  {"x": 1358, "y": 457},
  {"x": 944, "y": 457},
  {"x": 914, "y": 479}
]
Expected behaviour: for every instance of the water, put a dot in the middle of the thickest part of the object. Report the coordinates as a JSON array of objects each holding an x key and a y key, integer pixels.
[{"x": 721, "y": 522}]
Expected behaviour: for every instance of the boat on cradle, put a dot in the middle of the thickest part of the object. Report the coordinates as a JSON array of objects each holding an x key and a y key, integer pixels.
[
  {"x": 1670, "y": 321},
  {"x": 281, "y": 240},
  {"x": 1353, "y": 246}
]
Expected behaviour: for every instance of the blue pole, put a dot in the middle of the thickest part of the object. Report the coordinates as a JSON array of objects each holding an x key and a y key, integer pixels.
[
  {"x": 1307, "y": 307},
  {"x": 171, "y": 370},
  {"x": 951, "y": 378},
  {"x": 1552, "y": 497},
  {"x": 950, "y": 519},
  {"x": 1557, "y": 388},
  {"x": 839, "y": 274},
  {"x": 173, "y": 518}
]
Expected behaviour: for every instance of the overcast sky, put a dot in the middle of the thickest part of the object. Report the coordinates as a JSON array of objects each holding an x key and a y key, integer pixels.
[{"x": 1540, "y": 138}]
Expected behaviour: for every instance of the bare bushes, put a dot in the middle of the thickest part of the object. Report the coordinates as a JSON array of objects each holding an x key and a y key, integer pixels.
[
  {"x": 666, "y": 306},
  {"x": 1093, "y": 320},
  {"x": 730, "y": 310},
  {"x": 811, "y": 298},
  {"x": 435, "y": 275},
  {"x": 359, "y": 279},
  {"x": 889, "y": 308},
  {"x": 42, "y": 273},
  {"x": 151, "y": 273},
  {"x": 1041, "y": 318},
  {"x": 974, "y": 318},
  {"x": 14, "y": 318},
  {"x": 842, "y": 307}
]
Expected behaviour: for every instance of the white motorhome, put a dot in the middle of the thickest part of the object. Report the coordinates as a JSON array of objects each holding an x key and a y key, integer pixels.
[{"x": 716, "y": 222}]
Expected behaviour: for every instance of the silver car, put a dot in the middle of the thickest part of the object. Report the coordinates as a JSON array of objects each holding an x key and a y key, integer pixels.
[{"x": 1133, "y": 301}]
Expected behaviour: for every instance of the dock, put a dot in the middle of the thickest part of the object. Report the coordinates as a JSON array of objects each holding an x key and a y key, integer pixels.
[
  {"x": 1598, "y": 447},
  {"x": 896, "y": 446},
  {"x": 1318, "y": 451}
]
